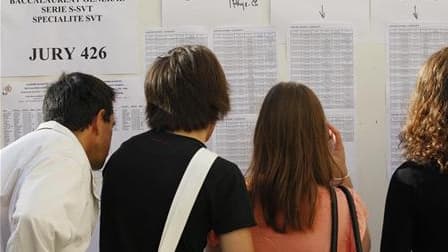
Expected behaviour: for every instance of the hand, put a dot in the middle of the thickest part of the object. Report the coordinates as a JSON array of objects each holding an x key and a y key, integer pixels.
[{"x": 337, "y": 150}]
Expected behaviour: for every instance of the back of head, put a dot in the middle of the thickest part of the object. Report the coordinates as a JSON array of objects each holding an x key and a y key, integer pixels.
[
  {"x": 425, "y": 134},
  {"x": 291, "y": 156},
  {"x": 75, "y": 99},
  {"x": 186, "y": 89}
]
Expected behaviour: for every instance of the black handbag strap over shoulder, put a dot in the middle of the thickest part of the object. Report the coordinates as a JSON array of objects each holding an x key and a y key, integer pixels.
[
  {"x": 354, "y": 217},
  {"x": 334, "y": 219}
]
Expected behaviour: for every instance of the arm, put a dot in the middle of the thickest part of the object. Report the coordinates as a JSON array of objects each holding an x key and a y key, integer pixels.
[
  {"x": 366, "y": 241},
  {"x": 215, "y": 248},
  {"x": 361, "y": 212},
  {"x": 49, "y": 209},
  {"x": 231, "y": 211},
  {"x": 336, "y": 146},
  {"x": 236, "y": 241},
  {"x": 31, "y": 234},
  {"x": 213, "y": 243}
]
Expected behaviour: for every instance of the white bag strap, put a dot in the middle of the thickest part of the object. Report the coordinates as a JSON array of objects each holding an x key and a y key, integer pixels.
[{"x": 184, "y": 199}]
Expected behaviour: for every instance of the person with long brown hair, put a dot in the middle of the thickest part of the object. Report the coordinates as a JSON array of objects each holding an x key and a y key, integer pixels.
[
  {"x": 297, "y": 156},
  {"x": 417, "y": 201}
]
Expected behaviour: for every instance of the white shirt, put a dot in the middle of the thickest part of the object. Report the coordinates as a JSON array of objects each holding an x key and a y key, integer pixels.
[{"x": 48, "y": 200}]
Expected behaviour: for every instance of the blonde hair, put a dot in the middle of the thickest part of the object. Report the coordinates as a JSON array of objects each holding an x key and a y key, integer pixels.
[{"x": 424, "y": 137}]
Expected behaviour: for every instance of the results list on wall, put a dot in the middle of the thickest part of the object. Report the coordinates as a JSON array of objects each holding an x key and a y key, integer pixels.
[
  {"x": 22, "y": 109},
  {"x": 321, "y": 57},
  {"x": 158, "y": 41},
  {"x": 409, "y": 45},
  {"x": 248, "y": 56}
]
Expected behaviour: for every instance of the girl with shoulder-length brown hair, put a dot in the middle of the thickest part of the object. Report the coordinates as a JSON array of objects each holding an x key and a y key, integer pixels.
[
  {"x": 296, "y": 156},
  {"x": 416, "y": 205}
]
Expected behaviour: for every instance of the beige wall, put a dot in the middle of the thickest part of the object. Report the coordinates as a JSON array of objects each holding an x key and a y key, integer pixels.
[
  {"x": 371, "y": 144},
  {"x": 370, "y": 79}
]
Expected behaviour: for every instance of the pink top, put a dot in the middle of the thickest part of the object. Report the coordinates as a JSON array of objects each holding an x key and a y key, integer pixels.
[{"x": 318, "y": 238}]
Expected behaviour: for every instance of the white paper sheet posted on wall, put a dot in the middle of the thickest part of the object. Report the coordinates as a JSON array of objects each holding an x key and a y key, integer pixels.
[
  {"x": 21, "y": 104},
  {"x": 249, "y": 58},
  {"x": 213, "y": 12},
  {"x": 321, "y": 56},
  {"x": 354, "y": 12},
  {"x": 158, "y": 41},
  {"x": 47, "y": 37},
  {"x": 408, "y": 46}
]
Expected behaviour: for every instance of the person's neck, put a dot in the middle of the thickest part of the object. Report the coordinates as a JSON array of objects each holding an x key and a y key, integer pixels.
[
  {"x": 200, "y": 135},
  {"x": 85, "y": 140}
]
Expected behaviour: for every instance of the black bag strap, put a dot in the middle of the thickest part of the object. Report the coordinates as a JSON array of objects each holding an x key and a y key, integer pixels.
[
  {"x": 354, "y": 217},
  {"x": 334, "y": 220}
]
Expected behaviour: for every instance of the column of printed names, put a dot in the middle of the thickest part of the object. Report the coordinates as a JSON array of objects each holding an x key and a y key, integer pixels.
[
  {"x": 159, "y": 41},
  {"x": 248, "y": 56},
  {"x": 409, "y": 45},
  {"x": 21, "y": 109},
  {"x": 321, "y": 57}
]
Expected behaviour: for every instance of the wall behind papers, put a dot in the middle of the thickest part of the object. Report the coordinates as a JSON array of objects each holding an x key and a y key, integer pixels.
[{"x": 371, "y": 77}]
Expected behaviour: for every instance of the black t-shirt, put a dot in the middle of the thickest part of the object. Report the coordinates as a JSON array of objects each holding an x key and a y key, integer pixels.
[
  {"x": 140, "y": 181},
  {"x": 416, "y": 213}
]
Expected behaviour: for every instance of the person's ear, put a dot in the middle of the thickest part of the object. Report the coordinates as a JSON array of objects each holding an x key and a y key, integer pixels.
[
  {"x": 210, "y": 129},
  {"x": 97, "y": 121}
]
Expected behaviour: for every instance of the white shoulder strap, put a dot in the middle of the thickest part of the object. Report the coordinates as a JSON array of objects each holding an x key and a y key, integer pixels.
[{"x": 183, "y": 201}]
